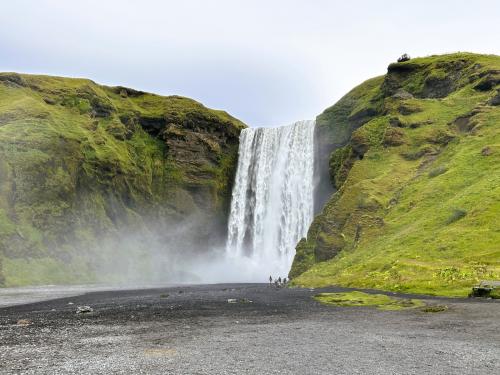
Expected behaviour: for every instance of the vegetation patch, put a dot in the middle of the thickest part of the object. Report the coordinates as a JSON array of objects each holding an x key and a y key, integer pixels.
[
  {"x": 417, "y": 207},
  {"x": 82, "y": 164},
  {"x": 379, "y": 301},
  {"x": 437, "y": 171}
]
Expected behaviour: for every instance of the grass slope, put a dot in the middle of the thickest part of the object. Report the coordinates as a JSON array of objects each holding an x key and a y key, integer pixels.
[{"x": 418, "y": 200}]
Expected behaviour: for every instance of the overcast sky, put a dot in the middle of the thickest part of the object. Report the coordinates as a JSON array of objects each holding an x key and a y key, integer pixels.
[{"x": 266, "y": 62}]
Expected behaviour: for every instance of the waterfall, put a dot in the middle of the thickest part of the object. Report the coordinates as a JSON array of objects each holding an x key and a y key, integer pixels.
[{"x": 272, "y": 202}]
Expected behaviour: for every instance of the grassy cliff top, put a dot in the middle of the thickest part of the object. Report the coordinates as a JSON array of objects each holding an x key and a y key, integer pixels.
[
  {"x": 85, "y": 96},
  {"x": 416, "y": 165}
]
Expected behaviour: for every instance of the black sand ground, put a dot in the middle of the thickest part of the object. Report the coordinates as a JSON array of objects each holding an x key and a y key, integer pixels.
[{"x": 194, "y": 330}]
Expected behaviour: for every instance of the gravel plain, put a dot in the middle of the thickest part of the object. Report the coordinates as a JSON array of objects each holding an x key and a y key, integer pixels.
[{"x": 194, "y": 330}]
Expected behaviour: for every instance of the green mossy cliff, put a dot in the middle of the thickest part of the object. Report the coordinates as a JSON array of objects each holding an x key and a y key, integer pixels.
[
  {"x": 82, "y": 165},
  {"x": 414, "y": 157}
]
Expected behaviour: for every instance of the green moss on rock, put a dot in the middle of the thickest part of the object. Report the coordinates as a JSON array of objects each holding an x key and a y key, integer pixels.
[
  {"x": 360, "y": 299},
  {"x": 417, "y": 135},
  {"x": 82, "y": 163}
]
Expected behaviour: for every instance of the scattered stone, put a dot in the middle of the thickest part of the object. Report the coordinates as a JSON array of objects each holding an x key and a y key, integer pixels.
[
  {"x": 84, "y": 309},
  {"x": 70, "y": 303},
  {"x": 402, "y": 94},
  {"x": 395, "y": 122},
  {"x": 49, "y": 101},
  {"x": 126, "y": 91},
  {"x": 241, "y": 300},
  {"x": 160, "y": 352},
  {"x": 496, "y": 99},
  {"x": 434, "y": 308},
  {"x": 489, "y": 81},
  {"x": 486, "y": 151},
  {"x": 24, "y": 322},
  {"x": 487, "y": 289},
  {"x": 466, "y": 123}
]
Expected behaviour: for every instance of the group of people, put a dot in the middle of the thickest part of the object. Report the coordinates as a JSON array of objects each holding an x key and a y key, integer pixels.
[{"x": 279, "y": 282}]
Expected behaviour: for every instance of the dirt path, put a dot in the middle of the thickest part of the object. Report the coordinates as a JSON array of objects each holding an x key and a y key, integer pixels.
[{"x": 194, "y": 330}]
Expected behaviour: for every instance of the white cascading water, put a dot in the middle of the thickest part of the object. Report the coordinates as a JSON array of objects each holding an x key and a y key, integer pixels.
[{"x": 272, "y": 202}]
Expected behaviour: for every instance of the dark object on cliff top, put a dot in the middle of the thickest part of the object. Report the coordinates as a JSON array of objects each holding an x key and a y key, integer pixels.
[
  {"x": 404, "y": 57},
  {"x": 487, "y": 289}
]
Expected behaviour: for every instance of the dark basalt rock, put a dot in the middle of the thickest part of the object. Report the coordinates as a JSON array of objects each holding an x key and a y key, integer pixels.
[
  {"x": 12, "y": 79},
  {"x": 396, "y": 122},
  {"x": 361, "y": 117},
  {"x": 495, "y": 100},
  {"x": 127, "y": 92},
  {"x": 489, "y": 81},
  {"x": 152, "y": 125},
  {"x": 359, "y": 144},
  {"x": 438, "y": 87},
  {"x": 402, "y": 94},
  {"x": 393, "y": 137},
  {"x": 486, "y": 151},
  {"x": 486, "y": 289},
  {"x": 425, "y": 80},
  {"x": 467, "y": 122}
]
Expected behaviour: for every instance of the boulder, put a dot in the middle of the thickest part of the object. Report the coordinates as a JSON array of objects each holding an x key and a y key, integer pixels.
[
  {"x": 84, "y": 309},
  {"x": 487, "y": 289}
]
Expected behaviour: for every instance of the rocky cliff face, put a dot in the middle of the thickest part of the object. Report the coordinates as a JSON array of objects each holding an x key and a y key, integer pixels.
[
  {"x": 413, "y": 158},
  {"x": 90, "y": 174}
]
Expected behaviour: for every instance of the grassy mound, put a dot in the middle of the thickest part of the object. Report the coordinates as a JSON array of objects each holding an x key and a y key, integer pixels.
[
  {"x": 418, "y": 180},
  {"x": 356, "y": 299}
]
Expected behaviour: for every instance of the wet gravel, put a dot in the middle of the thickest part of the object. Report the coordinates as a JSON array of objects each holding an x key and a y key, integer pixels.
[{"x": 194, "y": 330}]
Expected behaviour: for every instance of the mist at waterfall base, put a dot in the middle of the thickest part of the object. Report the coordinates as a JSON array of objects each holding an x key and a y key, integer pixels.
[
  {"x": 271, "y": 210},
  {"x": 271, "y": 207}
]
